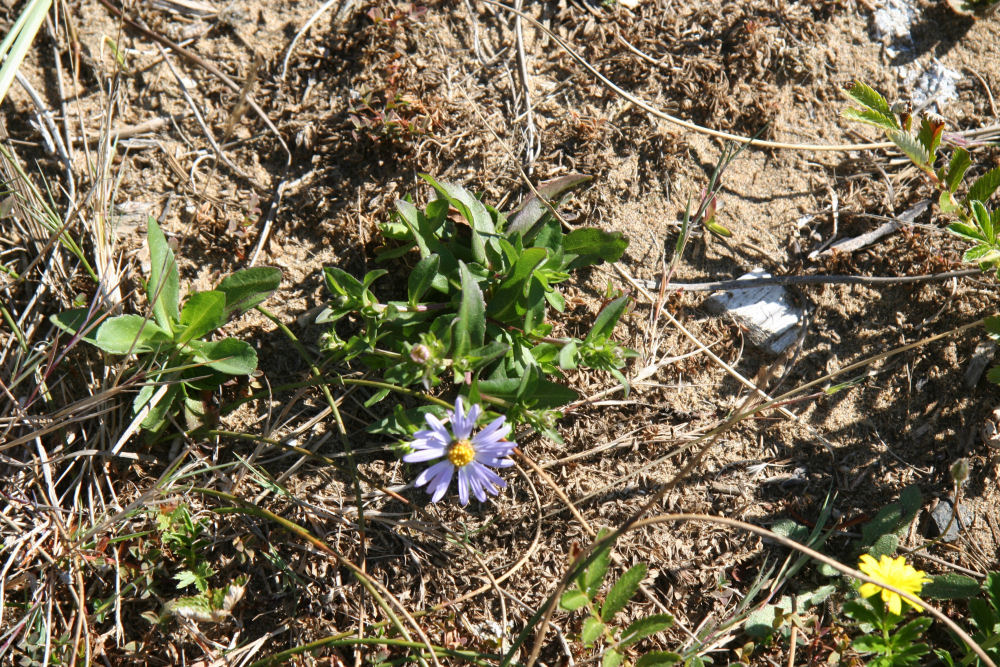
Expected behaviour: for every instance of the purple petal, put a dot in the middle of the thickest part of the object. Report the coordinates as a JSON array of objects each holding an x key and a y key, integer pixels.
[
  {"x": 489, "y": 479},
  {"x": 425, "y": 454},
  {"x": 437, "y": 425},
  {"x": 463, "y": 485},
  {"x": 494, "y": 432},
  {"x": 439, "y": 485},
  {"x": 462, "y": 423}
]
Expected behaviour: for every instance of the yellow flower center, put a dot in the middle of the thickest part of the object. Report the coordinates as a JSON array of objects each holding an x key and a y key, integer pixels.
[{"x": 461, "y": 453}]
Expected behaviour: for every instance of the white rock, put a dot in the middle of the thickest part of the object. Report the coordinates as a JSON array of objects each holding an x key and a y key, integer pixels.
[{"x": 767, "y": 313}]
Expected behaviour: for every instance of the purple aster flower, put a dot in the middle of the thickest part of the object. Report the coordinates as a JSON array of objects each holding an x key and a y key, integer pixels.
[{"x": 472, "y": 455}]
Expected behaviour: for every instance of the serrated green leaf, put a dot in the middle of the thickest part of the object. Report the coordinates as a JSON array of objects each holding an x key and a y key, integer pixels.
[
  {"x": 163, "y": 288},
  {"x": 860, "y": 612},
  {"x": 203, "y": 313},
  {"x": 957, "y": 166},
  {"x": 645, "y": 627},
  {"x": 127, "y": 334},
  {"x": 622, "y": 592},
  {"x": 246, "y": 288},
  {"x": 659, "y": 659},
  {"x": 980, "y": 254},
  {"x": 421, "y": 278},
  {"x": 592, "y": 629},
  {"x": 870, "y": 644},
  {"x": 984, "y": 186},
  {"x": 912, "y": 631},
  {"x": 612, "y": 658},
  {"x": 929, "y": 135},
  {"x": 869, "y": 98},
  {"x": 870, "y": 117},
  {"x": 573, "y": 600},
  {"x": 910, "y": 146},
  {"x": 966, "y": 231},
  {"x": 982, "y": 217}
]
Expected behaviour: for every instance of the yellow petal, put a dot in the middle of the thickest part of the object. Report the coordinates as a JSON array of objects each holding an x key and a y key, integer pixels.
[{"x": 893, "y": 602}]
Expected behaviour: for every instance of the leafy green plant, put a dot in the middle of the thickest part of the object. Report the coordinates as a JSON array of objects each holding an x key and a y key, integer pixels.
[
  {"x": 976, "y": 223},
  {"x": 922, "y": 140},
  {"x": 178, "y": 362},
  {"x": 476, "y": 305},
  {"x": 984, "y": 611},
  {"x": 882, "y": 635},
  {"x": 599, "y": 627}
]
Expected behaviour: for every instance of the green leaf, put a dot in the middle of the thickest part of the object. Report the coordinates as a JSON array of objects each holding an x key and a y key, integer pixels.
[
  {"x": 376, "y": 397},
  {"x": 533, "y": 210},
  {"x": 929, "y": 135},
  {"x": 983, "y": 616},
  {"x": 659, "y": 659},
  {"x": 870, "y": 644},
  {"x": 421, "y": 278},
  {"x": 246, "y": 288},
  {"x": 981, "y": 254},
  {"x": 885, "y": 545},
  {"x": 606, "y": 320},
  {"x": 163, "y": 288},
  {"x": 869, "y": 98},
  {"x": 957, "y": 166},
  {"x": 573, "y": 600},
  {"x": 469, "y": 329},
  {"x": 892, "y": 518},
  {"x": 567, "y": 356},
  {"x": 861, "y": 612},
  {"x": 622, "y": 592},
  {"x": 593, "y": 246},
  {"x": 203, "y": 313},
  {"x": 229, "y": 355},
  {"x": 911, "y": 632},
  {"x": 950, "y": 586},
  {"x": 984, "y": 186},
  {"x": 992, "y": 326},
  {"x": 965, "y": 231},
  {"x": 717, "y": 229},
  {"x": 590, "y": 579},
  {"x": 947, "y": 202},
  {"x": 372, "y": 276},
  {"x": 993, "y": 375},
  {"x": 910, "y": 146},
  {"x": 186, "y": 578},
  {"x": 157, "y": 416},
  {"x": 871, "y": 117},
  {"x": 481, "y": 356},
  {"x": 612, "y": 658},
  {"x": 550, "y": 395},
  {"x": 592, "y": 629},
  {"x": 128, "y": 334},
  {"x": 342, "y": 283},
  {"x": 645, "y": 627},
  {"x": 515, "y": 285},
  {"x": 75, "y": 321},
  {"x": 982, "y": 217},
  {"x": 992, "y": 584},
  {"x": 479, "y": 218}
]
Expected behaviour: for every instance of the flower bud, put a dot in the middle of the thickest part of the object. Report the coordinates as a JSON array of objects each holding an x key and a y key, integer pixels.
[
  {"x": 960, "y": 471},
  {"x": 420, "y": 354}
]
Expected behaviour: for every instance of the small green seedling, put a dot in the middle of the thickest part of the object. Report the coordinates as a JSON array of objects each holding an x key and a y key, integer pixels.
[
  {"x": 478, "y": 293},
  {"x": 179, "y": 363},
  {"x": 599, "y": 629}
]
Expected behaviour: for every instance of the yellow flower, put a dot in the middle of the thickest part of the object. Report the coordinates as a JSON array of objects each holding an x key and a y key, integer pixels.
[{"x": 896, "y": 573}]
